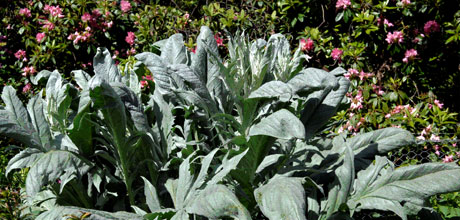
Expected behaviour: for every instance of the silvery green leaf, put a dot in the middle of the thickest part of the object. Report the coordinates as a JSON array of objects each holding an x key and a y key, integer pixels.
[
  {"x": 282, "y": 198},
  {"x": 343, "y": 185},
  {"x": 157, "y": 66},
  {"x": 226, "y": 166},
  {"x": 366, "y": 146},
  {"x": 184, "y": 183},
  {"x": 268, "y": 161},
  {"x": 327, "y": 108},
  {"x": 153, "y": 202},
  {"x": 217, "y": 201},
  {"x": 107, "y": 100},
  {"x": 281, "y": 124},
  {"x": 105, "y": 67},
  {"x": 11, "y": 129},
  {"x": 50, "y": 166},
  {"x": 58, "y": 99},
  {"x": 171, "y": 187},
  {"x": 63, "y": 212},
  {"x": 273, "y": 89},
  {"x": 35, "y": 109},
  {"x": 203, "y": 174},
  {"x": 82, "y": 78},
  {"x": 23, "y": 159},
  {"x": 339, "y": 71},
  {"x": 15, "y": 109},
  {"x": 403, "y": 190},
  {"x": 42, "y": 75},
  {"x": 174, "y": 51},
  {"x": 138, "y": 210},
  {"x": 312, "y": 79}
]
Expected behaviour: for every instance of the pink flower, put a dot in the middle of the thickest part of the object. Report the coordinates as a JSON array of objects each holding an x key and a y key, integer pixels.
[
  {"x": 448, "y": 159},
  {"x": 387, "y": 23},
  {"x": 144, "y": 83},
  {"x": 186, "y": 16},
  {"x": 149, "y": 77},
  {"x": 21, "y": 54},
  {"x": 130, "y": 38},
  {"x": 454, "y": 145},
  {"x": 131, "y": 51},
  {"x": 351, "y": 72},
  {"x": 438, "y": 103},
  {"x": 342, "y": 4},
  {"x": 27, "y": 71},
  {"x": 435, "y": 138},
  {"x": 405, "y": 2},
  {"x": 431, "y": 26},
  {"x": 40, "y": 37},
  {"x": 27, "y": 88},
  {"x": 25, "y": 12},
  {"x": 306, "y": 45},
  {"x": 219, "y": 40},
  {"x": 125, "y": 6},
  {"x": 86, "y": 17},
  {"x": 96, "y": 13},
  {"x": 48, "y": 25},
  {"x": 193, "y": 50},
  {"x": 54, "y": 11},
  {"x": 395, "y": 37},
  {"x": 336, "y": 54},
  {"x": 363, "y": 75},
  {"x": 409, "y": 55}
]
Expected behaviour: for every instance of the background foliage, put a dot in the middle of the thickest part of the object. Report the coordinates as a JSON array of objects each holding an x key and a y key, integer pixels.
[{"x": 390, "y": 87}]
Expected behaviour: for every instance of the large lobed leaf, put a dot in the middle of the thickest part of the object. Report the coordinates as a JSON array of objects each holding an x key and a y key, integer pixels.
[{"x": 404, "y": 190}]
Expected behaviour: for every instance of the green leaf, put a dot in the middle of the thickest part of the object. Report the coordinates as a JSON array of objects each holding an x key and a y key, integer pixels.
[
  {"x": 226, "y": 166},
  {"x": 281, "y": 124},
  {"x": 217, "y": 201},
  {"x": 403, "y": 190},
  {"x": 282, "y": 198},
  {"x": 104, "y": 66},
  {"x": 50, "y": 166},
  {"x": 151, "y": 196},
  {"x": 312, "y": 79}
]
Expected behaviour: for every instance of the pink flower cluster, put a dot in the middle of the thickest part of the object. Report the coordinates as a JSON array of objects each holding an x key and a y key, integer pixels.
[
  {"x": 306, "y": 45},
  {"x": 385, "y": 22},
  {"x": 362, "y": 75},
  {"x": 54, "y": 11},
  {"x": 86, "y": 17},
  {"x": 25, "y": 12},
  {"x": 438, "y": 103},
  {"x": 395, "y": 37},
  {"x": 350, "y": 127},
  {"x": 337, "y": 54},
  {"x": 409, "y": 55},
  {"x": 219, "y": 40},
  {"x": 342, "y": 4},
  {"x": 130, "y": 38},
  {"x": 401, "y": 109},
  {"x": 28, "y": 71},
  {"x": 125, "y": 6},
  {"x": 40, "y": 37},
  {"x": 424, "y": 132},
  {"x": 80, "y": 37},
  {"x": 21, "y": 54},
  {"x": 48, "y": 25},
  {"x": 27, "y": 88},
  {"x": 378, "y": 89},
  {"x": 357, "y": 101},
  {"x": 430, "y": 27},
  {"x": 144, "y": 81}
]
